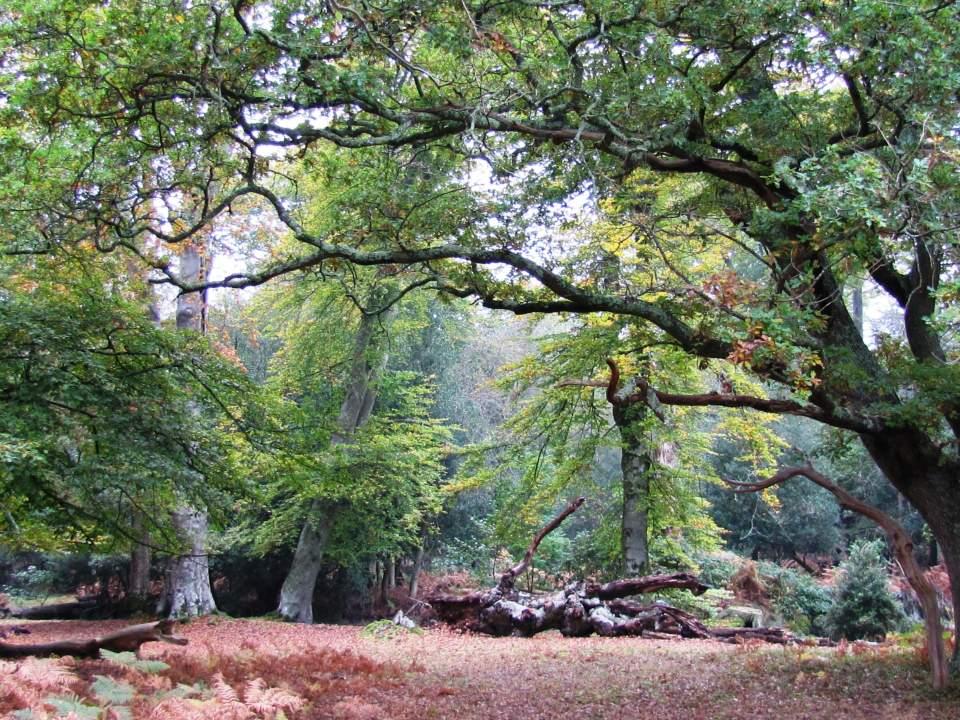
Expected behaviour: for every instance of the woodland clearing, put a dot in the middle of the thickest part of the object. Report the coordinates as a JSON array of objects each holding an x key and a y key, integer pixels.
[{"x": 254, "y": 668}]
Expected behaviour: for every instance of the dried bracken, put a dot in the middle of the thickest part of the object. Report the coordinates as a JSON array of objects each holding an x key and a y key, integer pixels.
[{"x": 328, "y": 672}]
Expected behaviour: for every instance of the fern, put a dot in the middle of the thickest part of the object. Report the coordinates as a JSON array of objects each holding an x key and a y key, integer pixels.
[
  {"x": 184, "y": 691},
  {"x": 112, "y": 692},
  {"x": 44, "y": 673},
  {"x": 66, "y": 704},
  {"x": 270, "y": 701},
  {"x": 224, "y": 692},
  {"x": 128, "y": 659}
]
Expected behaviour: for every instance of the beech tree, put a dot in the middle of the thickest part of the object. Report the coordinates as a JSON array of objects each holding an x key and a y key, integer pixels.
[
  {"x": 818, "y": 140},
  {"x": 107, "y": 422},
  {"x": 186, "y": 590},
  {"x": 358, "y": 460}
]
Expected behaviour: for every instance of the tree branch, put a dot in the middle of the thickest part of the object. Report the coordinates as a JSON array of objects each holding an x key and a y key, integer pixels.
[
  {"x": 508, "y": 579},
  {"x": 902, "y": 548},
  {"x": 733, "y": 400}
]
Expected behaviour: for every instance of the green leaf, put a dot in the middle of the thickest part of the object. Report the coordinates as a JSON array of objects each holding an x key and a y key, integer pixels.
[
  {"x": 129, "y": 659},
  {"x": 112, "y": 692},
  {"x": 65, "y": 704}
]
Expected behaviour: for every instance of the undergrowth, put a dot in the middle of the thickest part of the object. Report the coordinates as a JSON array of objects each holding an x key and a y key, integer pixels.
[
  {"x": 257, "y": 677},
  {"x": 387, "y": 630}
]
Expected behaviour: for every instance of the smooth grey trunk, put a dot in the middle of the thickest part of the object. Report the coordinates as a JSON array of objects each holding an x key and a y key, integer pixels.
[
  {"x": 296, "y": 595},
  {"x": 418, "y": 560},
  {"x": 187, "y": 586},
  {"x": 415, "y": 572},
  {"x": 636, "y": 466},
  {"x": 187, "y": 591}
]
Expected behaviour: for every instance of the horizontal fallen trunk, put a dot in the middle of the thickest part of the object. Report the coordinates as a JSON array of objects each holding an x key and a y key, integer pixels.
[
  {"x": 79, "y": 610},
  {"x": 582, "y": 609},
  {"x": 124, "y": 640},
  {"x": 577, "y": 611}
]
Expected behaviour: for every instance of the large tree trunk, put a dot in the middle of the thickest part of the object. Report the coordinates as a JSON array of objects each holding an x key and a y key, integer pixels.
[
  {"x": 636, "y": 467},
  {"x": 187, "y": 590},
  {"x": 640, "y": 456},
  {"x": 296, "y": 595},
  {"x": 932, "y": 485}
]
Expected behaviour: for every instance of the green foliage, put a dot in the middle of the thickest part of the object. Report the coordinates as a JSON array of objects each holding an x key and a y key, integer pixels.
[
  {"x": 110, "y": 691},
  {"x": 716, "y": 568},
  {"x": 130, "y": 659},
  {"x": 797, "y": 598},
  {"x": 562, "y": 441},
  {"x": 793, "y": 518},
  {"x": 102, "y": 412},
  {"x": 67, "y": 704},
  {"x": 864, "y": 606},
  {"x": 31, "y": 582},
  {"x": 596, "y": 550},
  {"x": 700, "y": 181},
  {"x": 387, "y": 630}
]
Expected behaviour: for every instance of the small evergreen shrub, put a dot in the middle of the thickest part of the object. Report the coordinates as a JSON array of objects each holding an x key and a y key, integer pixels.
[{"x": 864, "y": 607}]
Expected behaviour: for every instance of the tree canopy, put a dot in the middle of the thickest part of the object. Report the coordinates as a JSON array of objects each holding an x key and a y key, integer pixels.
[
  {"x": 724, "y": 173},
  {"x": 103, "y": 415}
]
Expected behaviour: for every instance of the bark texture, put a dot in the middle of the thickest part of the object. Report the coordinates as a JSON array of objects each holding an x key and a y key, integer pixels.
[
  {"x": 296, "y": 595},
  {"x": 186, "y": 591},
  {"x": 636, "y": 466},
  {"x": 138, "y": 585}
]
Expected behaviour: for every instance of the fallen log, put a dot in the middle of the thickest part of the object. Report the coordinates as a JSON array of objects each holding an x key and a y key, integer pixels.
[
  {"x": 582, "y": 609},
  {"x": 78, "y": 610},
  {"x": 770, "y": 635},
  {"x": 124, "y": 640},
  {"x": 650, "y": 583}
]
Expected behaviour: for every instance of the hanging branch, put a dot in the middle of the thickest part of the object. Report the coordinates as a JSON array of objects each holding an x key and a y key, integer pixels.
[{"x": 902, "y": 548}]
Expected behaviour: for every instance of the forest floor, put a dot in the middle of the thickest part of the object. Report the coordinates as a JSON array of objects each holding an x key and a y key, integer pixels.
[{"x": 252, "y": 668}]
